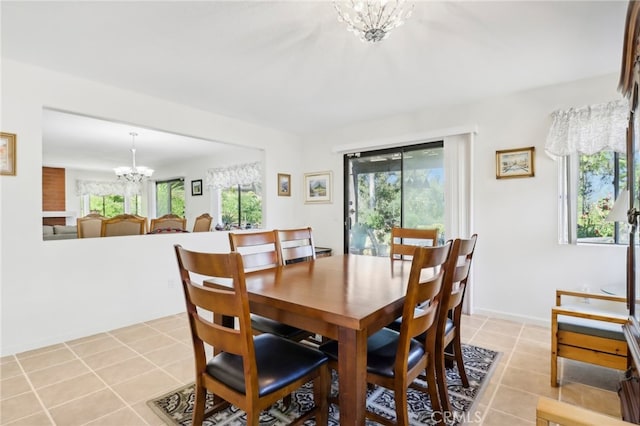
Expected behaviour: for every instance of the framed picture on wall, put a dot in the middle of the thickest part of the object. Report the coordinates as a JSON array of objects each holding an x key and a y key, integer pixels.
[
  {"x": 515, "y": 163},
  {"x": 7, "y": 154},
  {"x": 196, "y": 187},
  {"x": 317, "y": 187},
  {"x": 284, "y": 185}
]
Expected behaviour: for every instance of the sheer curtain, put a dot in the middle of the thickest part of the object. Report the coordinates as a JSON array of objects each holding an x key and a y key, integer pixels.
[
  {"x": 239, "y": 174},
  {"x": 582, "y": 130},
  {"x": 105, "y": 188},
  {"x": 588, "y": 129}
]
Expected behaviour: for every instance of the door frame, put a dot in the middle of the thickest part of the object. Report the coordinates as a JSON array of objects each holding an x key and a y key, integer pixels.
[{"x": 372, "y": 153}]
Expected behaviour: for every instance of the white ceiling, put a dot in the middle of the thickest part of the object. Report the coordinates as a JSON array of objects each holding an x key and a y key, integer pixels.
[{"x": 291, "y": 65}]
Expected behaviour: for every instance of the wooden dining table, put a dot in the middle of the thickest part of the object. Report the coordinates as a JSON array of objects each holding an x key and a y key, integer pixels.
[{"x": 345, "y": 297}]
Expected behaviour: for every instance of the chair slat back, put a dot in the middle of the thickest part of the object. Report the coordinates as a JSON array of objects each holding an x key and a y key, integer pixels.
[
  {"x": 259, "y": 250},
  {"x": 203, "y": 302},
  {"x": 168, "y": 221},
  {"x": 296, "y": 245},
  {"x": 124, "y": 224},
  {"x": 458, "y": 270},
  {"x": 405, "y": 240},
  {"x": 428, "y": 270},
  {"x": 202, "y": 223}
]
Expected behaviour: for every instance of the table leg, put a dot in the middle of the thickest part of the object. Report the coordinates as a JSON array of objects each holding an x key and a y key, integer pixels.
[{"x": 352, "y": 373}]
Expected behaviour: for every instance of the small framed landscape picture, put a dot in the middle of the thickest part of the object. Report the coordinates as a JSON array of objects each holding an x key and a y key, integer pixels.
[
  {"x": 317, "y": 187},
  {"x": 515, "y": 163},
  {"x": 196, "y": 187},
  {"x": 284, "y": 185},
  {"x": 7, "y": 154}
]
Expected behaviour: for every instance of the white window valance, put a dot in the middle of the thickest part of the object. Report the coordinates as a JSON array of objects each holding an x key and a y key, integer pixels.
[
  {"x": 106, "y": 188},
  {"x": 240, "y": 174},
  {"x": 588, "y": 129}
]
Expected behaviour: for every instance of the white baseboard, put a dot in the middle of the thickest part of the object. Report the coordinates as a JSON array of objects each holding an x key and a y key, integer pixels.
[{"x": 542, "y": 322}]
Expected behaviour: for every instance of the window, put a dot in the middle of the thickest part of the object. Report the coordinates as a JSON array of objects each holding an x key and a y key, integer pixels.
[
  {"x": 170, "y": 197},
  {"x": 113, "y": 205},
  {"x": 601, "y": 176},
  {"x": 242, "y": 206},
  {"x": 589, "y": 143},
  {"x": 109, "y": 198},
  {"x": 106, "y": 205}
]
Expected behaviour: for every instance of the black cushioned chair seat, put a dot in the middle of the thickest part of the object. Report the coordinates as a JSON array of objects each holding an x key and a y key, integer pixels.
[
  {"x": 266, "y": 325},
  {"x": 279, "y": 361},
  {"x": 381, "y": 352},
  {"x": 607, "y": 330}
]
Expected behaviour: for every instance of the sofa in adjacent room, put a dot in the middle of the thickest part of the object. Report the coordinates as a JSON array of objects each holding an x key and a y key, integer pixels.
[{"x": 59, "y": 232}]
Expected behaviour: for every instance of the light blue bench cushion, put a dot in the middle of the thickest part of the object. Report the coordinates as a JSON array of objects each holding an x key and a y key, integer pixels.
[{"x": 607, "y": 330}]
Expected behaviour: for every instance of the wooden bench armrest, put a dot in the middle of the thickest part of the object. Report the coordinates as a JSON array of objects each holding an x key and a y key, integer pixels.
[
  {"x": 607, "y": 317},
  {"x": 550, "y": 410},
  {"x": 588, "y": 295}
]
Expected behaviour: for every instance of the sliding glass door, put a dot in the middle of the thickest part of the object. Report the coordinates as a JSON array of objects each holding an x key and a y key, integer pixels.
[{"x": 392, "y": 187}]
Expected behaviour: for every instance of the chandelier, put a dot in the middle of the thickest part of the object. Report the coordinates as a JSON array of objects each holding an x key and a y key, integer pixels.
[
  {"x": 371, "y": 20},
  {"x": 134, "y": 173}
]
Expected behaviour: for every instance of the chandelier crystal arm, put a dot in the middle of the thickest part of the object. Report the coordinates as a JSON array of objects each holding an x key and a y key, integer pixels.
[
  {"x": 133, "y": 174},
  {"x": 372, "y": 20}
]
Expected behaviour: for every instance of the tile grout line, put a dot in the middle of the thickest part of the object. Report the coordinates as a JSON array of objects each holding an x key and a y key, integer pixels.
[
  {"x": 147, "y": 359},
  {"x": 504, "y": 371},
  {"x": 35, "y": 393},
  {"x": 106, "y": 385},
  {"x": 66, "y": 345}
]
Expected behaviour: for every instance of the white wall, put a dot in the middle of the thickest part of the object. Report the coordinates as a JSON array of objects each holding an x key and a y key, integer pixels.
[
  {"x": 55, "y": 291},
  {"x": 51, "y": 292},
  {"x": 518, "y": 262}
]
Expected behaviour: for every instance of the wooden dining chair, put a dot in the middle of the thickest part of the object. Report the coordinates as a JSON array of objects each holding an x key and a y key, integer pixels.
[
  {"x": 448, "y": 342},
  {"x": 202, "y": 223},
  {"x": 168, "y": 221},
  {"x": 252, "y": 373},
  {"x": 405, "y": 240},
  {"x": 124, "y": 224},
  {"x": 89, "y": 226},
  {"x": 395, "y": 359},
  {"x": 296, "y": 245},
  {"x": 260, "y": 250},
  {"x": 449, "y": 345}
]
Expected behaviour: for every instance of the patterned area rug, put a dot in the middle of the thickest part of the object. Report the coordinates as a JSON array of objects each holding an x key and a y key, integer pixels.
[{"x": 175, "y": 407}]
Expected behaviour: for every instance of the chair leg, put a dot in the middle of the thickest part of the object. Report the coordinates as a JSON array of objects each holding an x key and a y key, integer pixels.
[
  {"x": 457, "y": 352},
  {"x": 402, "y": 412},
  {"x": 198, "y": 406},
  {"x": 433, "y": 392},
  {"x": 253, "y": 418},
  {"x": 286, "y": 402},
  {"x": 441, "y": 379}
]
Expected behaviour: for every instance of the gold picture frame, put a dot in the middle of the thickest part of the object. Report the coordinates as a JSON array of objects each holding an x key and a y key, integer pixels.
[
  {"x": 515, "y": 163},
  {"x": 318, "y": 187},
  {"x": 284, "y": 185},
  {"x": 7, "y": 154}
]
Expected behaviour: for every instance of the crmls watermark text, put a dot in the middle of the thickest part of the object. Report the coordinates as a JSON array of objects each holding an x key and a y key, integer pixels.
[{"x": 450, "y": 417}]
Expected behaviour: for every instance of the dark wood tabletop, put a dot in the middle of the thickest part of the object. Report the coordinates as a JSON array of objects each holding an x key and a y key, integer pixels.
[{"x": 341, "y": 297}]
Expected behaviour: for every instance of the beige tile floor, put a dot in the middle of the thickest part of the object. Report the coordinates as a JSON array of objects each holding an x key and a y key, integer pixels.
[{"x": 107, "y": 378}]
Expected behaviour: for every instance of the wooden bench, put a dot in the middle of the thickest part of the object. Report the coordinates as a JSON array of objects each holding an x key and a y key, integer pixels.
[
  {"x": 552, "y": 411},
  {"x": 584, "y": 332}
]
